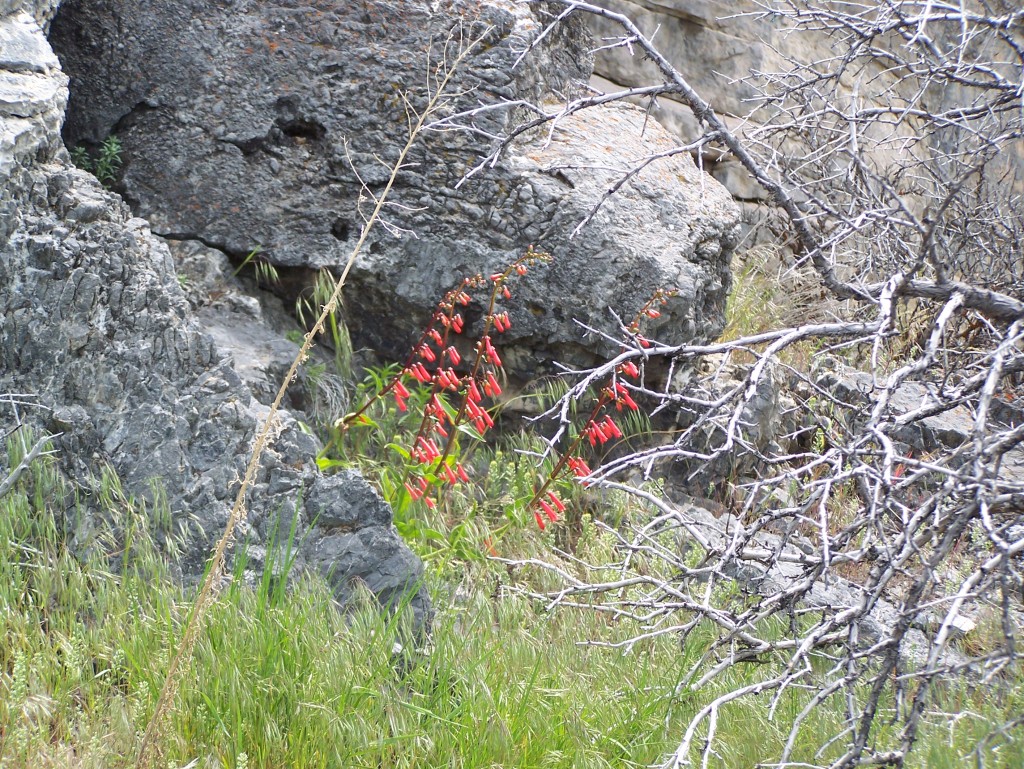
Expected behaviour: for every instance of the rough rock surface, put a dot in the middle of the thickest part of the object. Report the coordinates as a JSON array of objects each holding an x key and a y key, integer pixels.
[
  {"x": 950, "y": 429},
  {"x": 245, "y": 125},
  {"x": 718, "y": 45},
  {"x": 247, "y": 325},
  {"x": 94, "y": 324}
]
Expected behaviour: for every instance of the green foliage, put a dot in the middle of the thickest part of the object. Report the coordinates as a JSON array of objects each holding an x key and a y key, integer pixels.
[
  {"x": 104, "y": 164},
  {"x": 281, "y": 678},
  {"x": 262, "y": 268},
  {"x": 307, "y": 307}
]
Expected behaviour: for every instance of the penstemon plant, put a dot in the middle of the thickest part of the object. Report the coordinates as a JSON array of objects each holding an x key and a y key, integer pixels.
[{"x": 460, "y": 399}]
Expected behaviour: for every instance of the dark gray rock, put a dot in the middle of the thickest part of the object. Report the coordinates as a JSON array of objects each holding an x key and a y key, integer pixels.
[
  {"x": 244, "y": 125},
  {"x": 94, "y": 324}
]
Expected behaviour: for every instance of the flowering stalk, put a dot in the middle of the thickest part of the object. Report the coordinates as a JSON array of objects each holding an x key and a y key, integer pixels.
[
  {"x": 600, "y": 426},
  {"x": 435, "y": 360}
]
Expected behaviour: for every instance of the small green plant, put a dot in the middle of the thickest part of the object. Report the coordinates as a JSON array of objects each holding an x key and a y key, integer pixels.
[
  {"x": 263, "y": 268},
  {"x": 308, "y": 306},
  {"x": 104, "y": 164}
]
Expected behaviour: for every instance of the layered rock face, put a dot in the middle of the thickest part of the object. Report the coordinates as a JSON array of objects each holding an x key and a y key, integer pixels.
[
  {"x": 252, "y": 124},
  {"x": 719, "y": 45},
  {"x": 96, "y": 331}
]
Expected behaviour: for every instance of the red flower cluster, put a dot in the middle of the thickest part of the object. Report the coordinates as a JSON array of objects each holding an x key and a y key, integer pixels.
[
  {"x": 436, "y": 362},
  {"x": 459, "y": 394},
  {"x": 600, "y": 428}
]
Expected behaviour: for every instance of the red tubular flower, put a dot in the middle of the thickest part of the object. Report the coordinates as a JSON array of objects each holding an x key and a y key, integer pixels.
[
  {"x": 450, "y": 475},
  {"x": 400, "y": 390},
  {"x": 400, "y": 402},
  {"x": 418, "y": 372},
  {"x": 462, "y": 298},
  {"x": 453, "y": 356},
  {"x": 436, "y": 336},
  {"x": 414, "y": 494},
  {"x": 457, "y": 323},
  {"x": 610, "y": 428},
  {"x": 497, "y": 276},
  {"x": 596, "y": 434},
  {"x": 629, "y": 369},
  {"x": 521, "y": 269},
  {"x": 474, "y": 392},
  {"x": 556, "y": 502},
  {"x": 505, "y": 292},
  {"x": 440, "y": 430},
  {"x": 437, "y": 408},
  {"x": 622, "y": 396},
  {"x": 419, "y": 451},
  {"x": 493, "y": 383},
  {"x": 652, "y": 313},
  {"x": 429, "y": 502},
  {"x": 489, "y": 352},
  {"x": 579, "y": 468},
  {"x": 540, "y": 521},
  {"x": 547, "y": 510},
  {"x": 461, "y": 472},
  {"x": 428, "y": 448},
  {"x": 481, "y": 419},
  {"x": 427, "y": 354},
  {"x": 435, "y": 452},
  {"x": 642, "y": 341}
]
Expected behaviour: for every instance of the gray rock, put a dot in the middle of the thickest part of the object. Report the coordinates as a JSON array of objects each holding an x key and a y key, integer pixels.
[
  {"x": 93, "y": 323},
  {"x": 248, "y": 326},
  {"x": 771, "y": 564},
  {"x": 297, "y": 100},
  {"x": 949, "y": 429},
  {"x": 721, "y": 46}
]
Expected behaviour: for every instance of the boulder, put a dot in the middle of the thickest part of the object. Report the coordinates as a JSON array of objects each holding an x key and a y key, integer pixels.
[
  {"x": 257, "y": 124},
  {"x": 95, "y": 326}
]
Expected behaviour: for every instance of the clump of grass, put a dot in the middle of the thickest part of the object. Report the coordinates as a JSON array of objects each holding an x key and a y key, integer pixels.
[
  {"x": 263, "y": 269},
  {"x": 756, "y": 302},
  {"x": 767, "y": 296}
]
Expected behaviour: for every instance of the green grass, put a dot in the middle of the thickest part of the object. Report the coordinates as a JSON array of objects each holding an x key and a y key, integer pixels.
[{"x": 281, "y": 678}]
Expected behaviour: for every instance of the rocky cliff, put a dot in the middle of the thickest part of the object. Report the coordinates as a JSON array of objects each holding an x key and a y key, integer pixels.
[
  {"x": 96, "y": 332},
  {"x": 256, "y": 125},
  {"x": 723, "y": 46},
  {"x": 264, "y": 124}
]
